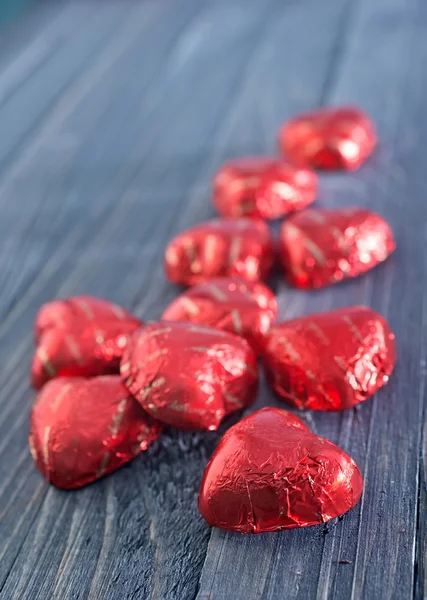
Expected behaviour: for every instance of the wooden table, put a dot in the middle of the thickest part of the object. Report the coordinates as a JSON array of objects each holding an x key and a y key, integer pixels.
[{"x": 113, "y": 117}]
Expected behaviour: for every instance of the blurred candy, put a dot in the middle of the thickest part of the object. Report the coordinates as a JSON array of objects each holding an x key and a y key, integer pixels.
[
  {"x": 83, "y": 429},
  {"x": 220, "y": 248},
  {"x": 189, "y": 376},
  {"x": 86, "y": 309},
  {"x": 230, "y": 304},
  {"x": 329, "y": 138},
  {"x": 80, "y": 348},
  {"x": 270, "y": 472},
  {"x": 320, "y": 247},
  {"x": 330, "y": 361},
  {"x": 262, "y": 187}
]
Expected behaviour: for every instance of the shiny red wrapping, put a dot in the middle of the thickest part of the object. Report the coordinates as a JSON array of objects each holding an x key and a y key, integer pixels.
[
  {"x": 262, "y": 187},
  {"x": 80, "y": 348},
  {"x": 231, "y": 304},
  {"x": 83, "y": 429},
  {"x": 189, "y": 376},
  {"x": 319, "y": 247},
  {"x": 329, "y": 138},
  {"x": 220, "y": 248},
  {"x": 82, "y": 309},
  {"x": 270, "y": 472},
  {"x": 330, "y": 361}
]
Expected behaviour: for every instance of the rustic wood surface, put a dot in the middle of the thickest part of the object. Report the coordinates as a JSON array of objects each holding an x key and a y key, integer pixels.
[{"x": 113, "y": 117}]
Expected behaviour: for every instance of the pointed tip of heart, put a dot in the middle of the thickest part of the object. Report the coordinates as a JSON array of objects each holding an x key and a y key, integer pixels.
[{"x": 270, "y": 472}]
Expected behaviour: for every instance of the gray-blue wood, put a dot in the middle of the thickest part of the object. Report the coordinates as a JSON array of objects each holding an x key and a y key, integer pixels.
[{"x": 113, "y": 117}]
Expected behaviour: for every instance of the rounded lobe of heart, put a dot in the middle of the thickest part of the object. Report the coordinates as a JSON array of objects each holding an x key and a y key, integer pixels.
[
  {"x": 80, "y": 349},
  {"x": 333, "y": 138},
  {"x": 322, "y": 247},
  {"x": 81, "y": 309},
  {"x": 83, "y": 429},
  {"x": 262, "y": 187},
  {"x": 189, "y": 376},
  {"x": 231, "y": 304},
  {"x": 270, "y": 473},
  {"x": 221, "y": 248},
  {"x": 330, "y": 361}
]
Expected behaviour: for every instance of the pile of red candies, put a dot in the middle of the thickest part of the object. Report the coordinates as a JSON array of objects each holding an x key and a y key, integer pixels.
[{"x": 109, "y": 383}]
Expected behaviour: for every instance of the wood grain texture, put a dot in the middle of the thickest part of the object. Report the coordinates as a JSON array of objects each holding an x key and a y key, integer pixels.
[{"x": 113, "y": 118}]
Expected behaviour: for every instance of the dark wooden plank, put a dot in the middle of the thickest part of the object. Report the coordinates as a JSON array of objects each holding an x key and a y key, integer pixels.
[
  {"x": 34, "y": 100},
  {"x": 45, "y": 555},
  {"x": 383, "y": 56},
  {"x": 75, "y": 142},
  {"x": 111, "y": 161},
  {"x": 27, "y": 43}
]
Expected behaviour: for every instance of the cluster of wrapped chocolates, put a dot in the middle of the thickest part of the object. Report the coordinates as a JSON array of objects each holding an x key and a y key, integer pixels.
[{"x": 109, "y": 383}]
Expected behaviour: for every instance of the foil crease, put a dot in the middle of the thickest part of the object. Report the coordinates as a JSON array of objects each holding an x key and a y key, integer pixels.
[
  {"x": 329, "y": 138},
  {"x": 83, "y": 309},
  {"x": 271, "y": 473},
  {"x": 79, "y": 337},
  {"x": 189, "y": 376},
  {"x": 262, "y": 187},
  {"x": 83, "y": 429},
  {"x": 231, "y": 304},
  {"x": 322, "y": 247},
  {"x": 220, "y": 248},
  {"x": 330, "y": 361}
]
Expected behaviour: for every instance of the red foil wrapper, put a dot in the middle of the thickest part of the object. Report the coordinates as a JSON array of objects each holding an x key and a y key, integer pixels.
[
  {"x": 82, "y": 309},
  {"x": 320, "y": 247},
  {"x": 270, "y": 473},
  {"x": 220, "y": 248},
  {"x": 83, "y": 429},
  {"x": 230, "y": 304},
  {"x": 329, "y": 138},
  {"x": 80, "y": 349},
  {"x": 189, "y": 376},
  {"x": 330, "y": 361},
  {"x": 262, "y": 187}
]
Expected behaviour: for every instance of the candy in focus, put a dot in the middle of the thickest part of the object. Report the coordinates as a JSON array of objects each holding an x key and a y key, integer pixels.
[
  {"x": 230, "y": 304},
  {"x": 189, "y": 376},
  {"x": 83, "y": 429},
  {"x": 270, "y": 473},
  {"x": 329, "y": 138},
  {"x": 262, "y": 187},
  {"x": 330, "y": 361},
  {"x": 220, "y": 248},
  {"x": 320, "y": 247}
]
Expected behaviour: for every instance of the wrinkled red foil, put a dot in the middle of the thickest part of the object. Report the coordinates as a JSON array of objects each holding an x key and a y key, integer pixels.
[
  {"x": 329, "y": 138},
  {"x": 220, "y": 248},
  {"x": 189, "y": 376},
  {"x": 80, "y": 348},
  {"x": 330, "y": 361},
  {"x": 262, "y": 187},
  {"x": 231, "y": 304},
  {"x": 83, "y": 429},
  {"x": 270, "y": 472},
  {"x": 84, "y": 309},
  {"x": 319, "y": 247}
]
